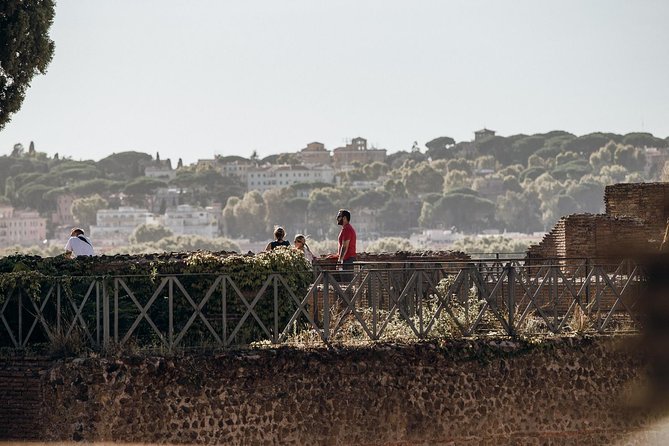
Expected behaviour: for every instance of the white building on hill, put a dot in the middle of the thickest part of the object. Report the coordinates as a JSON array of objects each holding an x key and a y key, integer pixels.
[
  {"x": 189, "y": 220},
  {"x": 114, "y": 226},
  {"x": 271, "y": 177}
]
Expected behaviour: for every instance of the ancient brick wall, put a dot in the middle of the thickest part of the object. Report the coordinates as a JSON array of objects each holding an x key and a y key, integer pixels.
[
  {"x": 560, "y": 391},
  {"x": 553, "y": 244},
  {"x": 603, "y": 236},
  {"x": 634, "y": 222},
  {"x": 646, "y": 201},
  {"x": 595, "y": 236},
  {"x": 20, "y": 397}
]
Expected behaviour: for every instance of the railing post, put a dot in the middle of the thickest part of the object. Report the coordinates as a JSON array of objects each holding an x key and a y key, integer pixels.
[
  {"x": 170, "y": 305},
  {"x": 105, "y": 315},
  {"x": 587, "y": 282},
  {"x": 224, "y": 309},
  {"x": 20, "y": 300},
  {"x": 275, "y": 335},
  {"x": 98, "y": 329},
  {"x": 58, "y": 308},
  {"x": 419, "y": 296},
  {"x": 326, "y": 305},
  {"x": 511, "y": 298},
  {"x": 116, "y": 285}
]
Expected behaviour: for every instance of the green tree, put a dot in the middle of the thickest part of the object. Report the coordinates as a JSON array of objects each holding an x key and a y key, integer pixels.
[
  {"x": 643, "y": 140},
  {"x": 149, "y": 233},
  {"x": 456, "y": 179},
  {"x": 520, "y": 212},
  {"x": 374, "y": 170},
  {"x": 370, "y": 199},
  {"x": 490, "y": 245},
  {"x": 466, "y": 212},
  {"x": 485, "y": 162},
  {"x": 125, "y": 165},
  {"x": 25, "y": 49},
  {"x": 141, "y": 191},
  {"x": 251, "y": 216},
  {"x": 602, "y": 157},
  {"x": 390, "y": 244},
  {"x": 440, "y": 148},
  {"x": 85, "y": 209},
  {"x": 632, "y": 158},
  {"x": 423, "y": 179},
  {"x": 589, "y": 196},
  {"x": 459, "y": 164},
  {"x": 288, "y": 158},
  {"x": 587, "y": 144},
  {"x": 395, "y": 188},
  {"x": 525, "y": 147},
  {"x": 32, "y": 195}
]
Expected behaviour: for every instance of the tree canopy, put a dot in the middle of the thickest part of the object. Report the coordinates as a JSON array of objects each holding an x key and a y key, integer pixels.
[{"x": 25, "y": 49}]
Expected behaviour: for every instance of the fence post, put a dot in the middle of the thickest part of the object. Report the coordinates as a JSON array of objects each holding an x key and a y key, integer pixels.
[
  {"x": 587, "y": 282},
  {"x": 170, "y": 316},
  {"x": 326, "y": 305},
  {"x": 58, "y": 309},
  {"x": 105, "y": 315},
  {"x": 511, "y": 298},
  {"x": 98, "y": 328},
  {"x": 275, "y": 335},
  {"x": 224, "y": 309},
  {"x": 20, "y": 300}
]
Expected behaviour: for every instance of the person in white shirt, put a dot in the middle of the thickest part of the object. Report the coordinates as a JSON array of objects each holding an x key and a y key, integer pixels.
[{"x": 78, "y": 244}]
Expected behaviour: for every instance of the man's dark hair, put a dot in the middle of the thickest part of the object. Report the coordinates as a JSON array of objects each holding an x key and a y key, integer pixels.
[{"x": 345, "y": 213}]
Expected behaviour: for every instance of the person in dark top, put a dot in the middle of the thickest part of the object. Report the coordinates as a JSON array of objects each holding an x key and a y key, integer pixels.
[{"x": 279, "y": 234}]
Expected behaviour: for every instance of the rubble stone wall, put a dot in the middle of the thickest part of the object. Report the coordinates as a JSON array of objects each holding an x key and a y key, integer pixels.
[{"x": 560, "y": 391}]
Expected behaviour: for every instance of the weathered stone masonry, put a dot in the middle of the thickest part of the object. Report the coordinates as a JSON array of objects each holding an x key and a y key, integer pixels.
[
  {"x": 467, "y": 392},
  {"x": 634, "y": 222}
]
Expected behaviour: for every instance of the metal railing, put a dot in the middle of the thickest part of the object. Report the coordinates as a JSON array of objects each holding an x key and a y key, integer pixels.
[{"x": 375, "y": 301}]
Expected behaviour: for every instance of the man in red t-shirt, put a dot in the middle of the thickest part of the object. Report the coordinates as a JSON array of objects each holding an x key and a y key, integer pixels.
[{"x": 346, "y": 242}]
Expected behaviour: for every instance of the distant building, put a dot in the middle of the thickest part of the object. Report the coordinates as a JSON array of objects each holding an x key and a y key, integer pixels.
[
  {"x": 483, "y": 134},
  {"x": 655, "y": 159},
  {"x": 63, "y": 215},
  {"x": 165, "y": 198},
  {"x": 190, "y": 220},
  {"x": 362, "y": 185},
  {"x": 114, "y": 226},
  {"x": 24, "y": 227},
  {"x": 237, "y": 169},
  {"x": 315, "y": 154},
  {"x": 162, "y": 172},
  {"x": 271, "y": 177},
  {"x": 357, "y": 152}
]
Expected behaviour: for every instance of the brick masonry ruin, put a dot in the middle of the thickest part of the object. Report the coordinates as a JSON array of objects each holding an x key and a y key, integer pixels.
[
  {"x": 559, "y": 391},
  {"x": 634, "y": 222}
]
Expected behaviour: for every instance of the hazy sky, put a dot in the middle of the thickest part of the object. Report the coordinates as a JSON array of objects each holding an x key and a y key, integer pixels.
[{"x": 196, "y": 78}]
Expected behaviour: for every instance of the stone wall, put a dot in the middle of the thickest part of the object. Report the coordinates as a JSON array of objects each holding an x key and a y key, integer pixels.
[
  {"x": 561, "y": 391},
  {"x": 579, "y": 236},
  {"x": 20, "y": 396},
  {"x": 634, "y": 223},
  {"x": 646, "y": 201}
]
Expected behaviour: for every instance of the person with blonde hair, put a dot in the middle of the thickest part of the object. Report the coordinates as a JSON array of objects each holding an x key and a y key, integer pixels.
[
  {"x": 300, "y": 243},
  {"x": 279, "y": 234}
]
